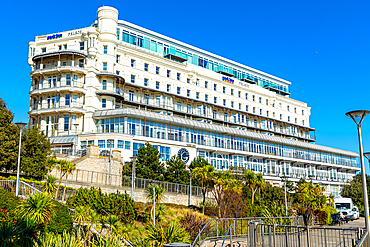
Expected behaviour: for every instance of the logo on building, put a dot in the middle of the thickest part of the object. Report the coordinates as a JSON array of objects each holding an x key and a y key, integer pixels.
[
  {"x": 227, "y": 79},
  {"x": 184, "y": 155},
  {"x": 55, "y": 36}
]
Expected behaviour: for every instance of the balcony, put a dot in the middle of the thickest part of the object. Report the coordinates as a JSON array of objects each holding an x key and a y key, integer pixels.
[
  {"x": 276, "y": 88},
  {"x": 61, "y": 86},
  {"x": 53, "y": 107},
  {"x": 178, "y": 56},
  {"x": 58, "y": 54},
  {"x": 60, "y": 65},
  {"x": 249, "y": 79}
]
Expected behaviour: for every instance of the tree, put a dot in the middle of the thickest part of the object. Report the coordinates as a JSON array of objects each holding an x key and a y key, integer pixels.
[
  {"x": 65, "y": 167},
  {"x": 198, "y": 162},
  {"x": 9, "y": 136},
  {"x": 38, "y": 207},
  {"x": 35, "y": 150},
  {"x": 176, "y": 171},
  {"x": 354, "y": 190},
  {"x": 148, "y": 164},
  {"x": 204, "y": 177},
  {"x": 50, "y": 185},
  {"x": 253, "y": 181},
  {"x": 159, "y": 190}
]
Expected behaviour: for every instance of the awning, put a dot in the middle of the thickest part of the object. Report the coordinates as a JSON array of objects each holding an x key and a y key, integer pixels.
[{"x": 63, "y": 140}]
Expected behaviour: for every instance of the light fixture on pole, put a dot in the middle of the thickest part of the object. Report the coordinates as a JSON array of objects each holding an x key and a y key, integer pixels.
[
  {"x": 358, "y": 117},
  {"x": 154, "y": 184},
  {"x": 133, "y": 162},
  {"x": 285, "y": 177},
  {"x": 110, "y": 158},
  {"x": 21, "y": 126}
]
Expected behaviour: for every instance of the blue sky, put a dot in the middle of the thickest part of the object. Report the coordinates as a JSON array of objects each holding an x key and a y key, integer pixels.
[{"x": 322, "y": 47}]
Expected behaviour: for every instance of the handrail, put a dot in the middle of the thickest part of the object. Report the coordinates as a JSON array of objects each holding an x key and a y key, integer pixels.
[
  {"x": 226, "y": 235},
  {"x": 364, "y": 237}
]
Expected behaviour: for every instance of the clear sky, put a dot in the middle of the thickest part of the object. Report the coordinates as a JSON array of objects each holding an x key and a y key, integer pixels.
[{"x": 322, "y": 47}]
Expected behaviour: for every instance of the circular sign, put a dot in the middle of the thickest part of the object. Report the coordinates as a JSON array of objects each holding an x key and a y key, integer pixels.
[{"x": 184, "y": 155}]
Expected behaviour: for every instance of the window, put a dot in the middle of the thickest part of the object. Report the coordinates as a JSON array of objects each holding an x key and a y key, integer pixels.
[
  {"x": 188, "y": 109},
  {"x": 302, "y": 112},
  {"x": 132, "y": 79},
  {"x": 295, "y": 120},
  {"x": 280, "y": 105},
  {"x": 168, "y": 87},
  {"x": 146, "y": 82},
  {"x": 288, "y": 118},
  {"x": 225, "y": 117},
  {"x": 239, "y": 94},
  {"x": 215, "y": 87},
  {"x": 82, "y": 46},
  {"x": 206, "y": 97},
  {"x": 232, "y": 104},
  {"x": 120, "y": 144},
  {"x": 131, "y": 95},
  {"x": 224, "y": 89},
  {"x": 117, "y": 72},
  {"x": 105, "y": 49},
  {"x": 157, "y": 85},
  {"x": 67, "y": 99},
  {"x": 168, "y": 73},
  {"x": 104, "y": 85},
  {"x": 104, "y": 103},
  {"x": 260, "y": 100},
  {"x": 101, "y": 143},
  {"x": 206, "y": 84},
  {"x": 146, "y": 99},
  {"x": 302, "y": 122},
  {"x": 178, "y": 106},
  {"x": 188, "y": 80},
  {"x": 197, "y": 95},
  {"x": 246, "y": 108},
  {"x": 60, "y": 47},
  {"x": 232, "y": 91},
  {"x": 215, "y": 100},
  {"x": 109, "y": 143},
  {"x": 281, "y": 116},
  {"x": 295, "y": 110},
  {"x": 65, "y": 46},
  {"x": 178, "y": 76},
  {"x": 254, "y": 109},
  {"x": 267, "y": 102},
  {"x": 287, "y": 107},
  {"x": 214, "y": 114},
  {"x": 66, "y": 122},
  {"x": 133, "y": 63},
  {"x": 246, "y": 96},
  {"x": 157, "y": 70},
  {"x": 43, "y": 50},
  {"x": 240, "y": 106},
  {"x": 267, "y": 113},
  {"x": 197, "y": 83},
  {"x": 224, "y": 102},
  {"x": 178, "y": 90},
  {"x": 260, "y": 111},
  {"x": 253, "y": 98},
  {"x": 104, "y": 66},
  {"x": 146, "y": 67},
  {"x": 135, "y": 147},
  {"x": 165, "y": 153},
  {"x": 118, "y": 58},
  {"x": 273, "y": 114},
  {"x": 188, "y": 93},
  {"x": 127, "y": 145}
]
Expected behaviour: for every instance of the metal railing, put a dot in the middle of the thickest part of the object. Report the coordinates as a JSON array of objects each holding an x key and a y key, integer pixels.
[
  {"x": 102, "y": 178},
  {"x": 364, "y": 241},
  {"x": 276, "y": 235},
  {"x": 216, "y": 229}
]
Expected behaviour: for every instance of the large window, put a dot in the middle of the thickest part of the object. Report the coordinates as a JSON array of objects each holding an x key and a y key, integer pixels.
[
  {"x": 101, "y": 143},
  {"x": 104, "y": 103},
  {"x": 67, "y": 99},
  {"x": 104, "y": 84},
  {"x": 105, "y": 49},
  {"x": 66, "y": 122},
  {"x": 105, "y": 66}
]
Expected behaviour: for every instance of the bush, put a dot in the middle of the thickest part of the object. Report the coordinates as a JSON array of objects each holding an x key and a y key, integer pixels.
[
  {"x": 117, "y": 204},
  {"x": 7, "y": 206},
  {"x": 62, "y": 221},
  {"x": 192, "y": 223},
  {"x": 324, "y": 215}
]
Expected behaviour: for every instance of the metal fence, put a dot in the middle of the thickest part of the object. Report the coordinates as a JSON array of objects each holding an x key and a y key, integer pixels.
[
  {"x": 276, "y": 235},
  {"x": 102, "y": 178},
  {"x": 26, "y": 189},
  {"x": 365, "y": 239},
  {"x": 216, "y": 229}
]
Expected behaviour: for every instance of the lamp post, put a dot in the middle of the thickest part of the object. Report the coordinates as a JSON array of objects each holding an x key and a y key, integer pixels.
[
  {"x": 358, "y": 117},
  {"x": 110, "y": 159},
  {"x": 133, "y": 162},
  {"x": 20, "y": 125},
  {"x": 190, "y": 190},
  {"x": 154, "y": 184},
  {"x": 285, "y": 177}
]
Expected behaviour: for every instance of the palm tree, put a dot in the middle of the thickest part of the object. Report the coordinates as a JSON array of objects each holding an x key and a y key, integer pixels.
[
  {"x": 114, "y": 224},
  {"x": 38, "y": 207},
  {"x": 50, "y": 185},
  {"x": 159, "y": 190},
  {"x": 65, "y": 167},
  {"x": 81, "y": 215},
  {"x": 204, "y": 176},
  {"x": 94, "y": 222},
  {"x": 253, "y": 181},
  {"x": 68, "y": 168},
  {"x": 164, "y": 234}
]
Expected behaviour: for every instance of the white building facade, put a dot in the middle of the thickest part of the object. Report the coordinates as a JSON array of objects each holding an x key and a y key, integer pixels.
[{"x": 116, "y": 80}]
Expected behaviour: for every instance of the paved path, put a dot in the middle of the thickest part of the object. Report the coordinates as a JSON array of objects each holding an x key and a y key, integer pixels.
[{"x": 352, "y": 224}]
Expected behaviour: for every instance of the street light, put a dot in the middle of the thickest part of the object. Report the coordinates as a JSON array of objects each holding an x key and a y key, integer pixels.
[
  {"x": 285, "y": 177},
  {"x": 20, "y": 126},
  {"x": 110, "y": 159},
  {"x": 133, "y": 162},
  {"x": 76, "y": 127},
  {"x": 358, "y": 117},
  {"x": 154, "y": 184}
]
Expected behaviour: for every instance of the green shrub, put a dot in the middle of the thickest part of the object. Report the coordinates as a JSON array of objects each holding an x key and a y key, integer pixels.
[
  {"x": 62, "y": 221},
  {"x": 324, "y": 215},
  {"x": 7, "y": 206},
  {"x": 117, "y": 204}
]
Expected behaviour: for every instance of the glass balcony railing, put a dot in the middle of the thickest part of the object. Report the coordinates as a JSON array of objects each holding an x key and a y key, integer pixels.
[
  {"x": 277, "y": 88},
  {"x": 175, "y": 55}
]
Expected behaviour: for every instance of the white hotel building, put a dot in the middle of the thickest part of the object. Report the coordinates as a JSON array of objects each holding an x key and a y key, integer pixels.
[{"x": 116, "y": 80}]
